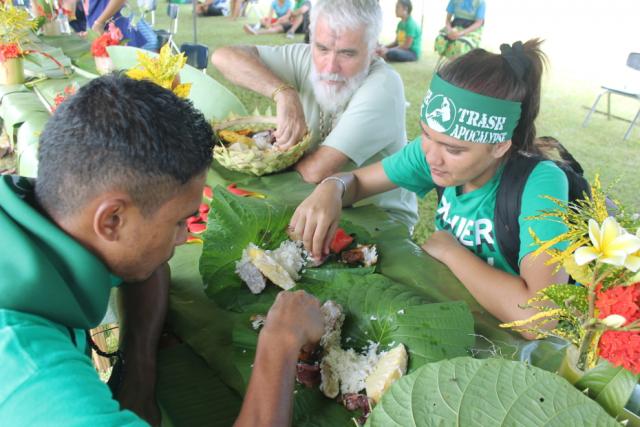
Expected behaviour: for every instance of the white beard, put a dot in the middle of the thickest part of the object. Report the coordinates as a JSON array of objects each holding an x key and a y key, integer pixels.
[{"x": 333, "y": 98}]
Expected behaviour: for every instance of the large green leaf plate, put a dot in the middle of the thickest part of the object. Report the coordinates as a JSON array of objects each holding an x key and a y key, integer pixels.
[{"x": 488, "y": 393}]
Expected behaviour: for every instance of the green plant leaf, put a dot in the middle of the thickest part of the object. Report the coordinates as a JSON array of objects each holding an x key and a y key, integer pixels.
[
  {"x": 234, "y": 222},
  {"x": 379, "y": 310},
  {"x": 490, "y": 392},
  {"x": 608, "y": 385},
  {"x": 559, "y": 294}
]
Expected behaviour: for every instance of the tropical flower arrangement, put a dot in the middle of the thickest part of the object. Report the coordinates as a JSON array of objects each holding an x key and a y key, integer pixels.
[
  {"x": 162, "y": 70},
  {"x": 111, "y": 37},
  {"x": 599, "y": 314},
  {"x": 53, "y": 18},
  {"x": 15, "y": 25}
]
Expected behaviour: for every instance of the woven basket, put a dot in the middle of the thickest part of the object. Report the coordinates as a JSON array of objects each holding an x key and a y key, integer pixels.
[{"x": 255, "y": 162}]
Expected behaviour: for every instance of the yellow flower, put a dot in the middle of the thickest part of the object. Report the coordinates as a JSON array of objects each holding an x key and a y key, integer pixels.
[
  {"x": 633, "y": 260},
  {"x": 162, "y": 70},
  {"x": 15, "y": 23},
  {"x": 580, "y": 273},
  {"x": 611, "y": 245}
]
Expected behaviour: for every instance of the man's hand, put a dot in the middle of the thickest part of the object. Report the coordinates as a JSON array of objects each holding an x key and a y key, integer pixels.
[
  {"x": 439, "y": 244},
  {"x": 290, "y": 119},
  {"x": 296, "y": 319},
  {"x": 293, "y": 322},
  {"x": 316, "y": 219}
]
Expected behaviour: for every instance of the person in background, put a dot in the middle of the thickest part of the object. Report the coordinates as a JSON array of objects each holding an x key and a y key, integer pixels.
[
  {"x": 408, "y": 42},
  {"x": 350, "y": 100},
  {"x": 463, "y": 28},
  {"x": 477, "y": 116},
  {"x": 279, "y": 13},
  {"x": 101, "y": 12},
  {"x": 296, "y": 21},
  {"x": 212, "y": 8}
]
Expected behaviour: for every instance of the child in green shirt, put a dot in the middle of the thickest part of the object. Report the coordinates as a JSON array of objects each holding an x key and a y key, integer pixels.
[{"x": 408, "y": 42}]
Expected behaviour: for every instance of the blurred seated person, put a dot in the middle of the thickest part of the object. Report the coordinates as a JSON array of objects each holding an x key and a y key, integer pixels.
[
  {"x": 279, "y": 13},
  {"x": 212, "y": 8},
  {"x": 101, "y": 12},
  {"x": 463, "y": 28},
  {"x": 408, "y": 42},
  {"x": 236, "y": 8},
  {"x": 296, "y": 21}
]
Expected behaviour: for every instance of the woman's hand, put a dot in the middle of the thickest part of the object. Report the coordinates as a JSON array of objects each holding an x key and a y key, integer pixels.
[
  {"x": 454, "y": 35},
  {"x": 439, "y": 244},
  {"x": 316, "y": 219}
]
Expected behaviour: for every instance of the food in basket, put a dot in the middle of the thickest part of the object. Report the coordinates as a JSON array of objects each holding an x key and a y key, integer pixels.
[{"x": 247, "y": 144}]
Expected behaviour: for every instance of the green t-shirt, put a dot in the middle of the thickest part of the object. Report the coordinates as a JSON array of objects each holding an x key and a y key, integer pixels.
[
  {"x": 469, "y": 216},
  {"x": 410, "y": 28}
]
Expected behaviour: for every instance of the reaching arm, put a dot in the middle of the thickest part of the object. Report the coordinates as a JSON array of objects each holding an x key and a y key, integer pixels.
[
  {"x": 112, "y": 8},
  {"x": 143, "y": 308},
  {"x": 321, "y": 163},
  {"x": 294, "y": 321},
  {"x": 316, "y": 219},
  {"x": 499, "y": 292},
  {"x": 447, "y": 22},
  {"x": 242, "y": 66}
]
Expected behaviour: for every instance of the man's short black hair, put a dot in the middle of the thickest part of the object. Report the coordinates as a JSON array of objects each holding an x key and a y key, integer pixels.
[{"x": 120, "y": 134}]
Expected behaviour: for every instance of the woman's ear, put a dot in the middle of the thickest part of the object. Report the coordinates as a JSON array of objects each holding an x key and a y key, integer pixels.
[{"x": 501, "y": 149}]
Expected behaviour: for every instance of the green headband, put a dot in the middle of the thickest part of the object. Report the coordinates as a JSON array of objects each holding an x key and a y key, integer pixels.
[{"x": 468, "y": 116}]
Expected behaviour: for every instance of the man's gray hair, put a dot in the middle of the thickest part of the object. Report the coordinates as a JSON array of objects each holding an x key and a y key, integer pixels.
[{"x": 343, "y": 15}]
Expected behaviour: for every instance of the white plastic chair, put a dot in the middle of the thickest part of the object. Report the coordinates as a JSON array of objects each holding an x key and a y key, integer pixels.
[
  {"x": 626, "y": 85},
  {"x": 166, "y": 36}
]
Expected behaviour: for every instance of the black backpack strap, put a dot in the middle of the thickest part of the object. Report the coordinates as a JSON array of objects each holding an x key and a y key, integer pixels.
[
  {"x": 439, "y": 192},
  {"x": 508, "y": 203}
]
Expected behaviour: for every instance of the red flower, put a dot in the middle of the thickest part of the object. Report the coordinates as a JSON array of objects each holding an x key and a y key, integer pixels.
[
  {"x": 62, "y": 96},
  {"x": 621, "y": 300},
  {"x": 110, "y": 38},
  {"x": 9, "y": 51},
  {"x": 621, "y": 348}
]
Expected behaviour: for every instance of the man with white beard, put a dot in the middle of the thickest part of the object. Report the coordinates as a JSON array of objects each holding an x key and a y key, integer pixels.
[{"x": 352, "y": 101}]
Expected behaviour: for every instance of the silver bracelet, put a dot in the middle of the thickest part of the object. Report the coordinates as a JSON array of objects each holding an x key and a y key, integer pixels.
[{"x": 336, "y": 178}]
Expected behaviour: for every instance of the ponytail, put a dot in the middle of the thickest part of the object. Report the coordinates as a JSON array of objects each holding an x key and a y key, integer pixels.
[{"x": 515, "y": 75}]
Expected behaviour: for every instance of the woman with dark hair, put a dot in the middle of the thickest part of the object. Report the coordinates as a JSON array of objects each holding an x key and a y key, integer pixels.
[
  {"x": 477, "y": 116},
  {"x": 463, "y": 28},
  {"x": 408, "y": 43}
]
